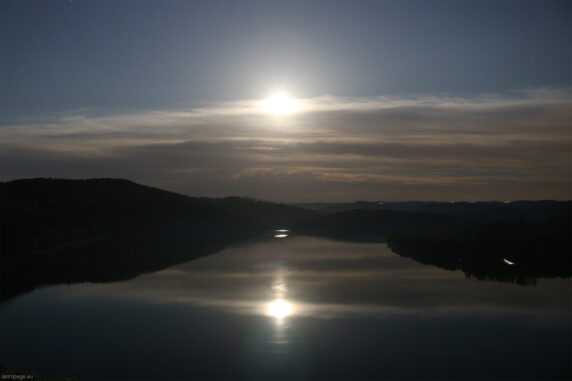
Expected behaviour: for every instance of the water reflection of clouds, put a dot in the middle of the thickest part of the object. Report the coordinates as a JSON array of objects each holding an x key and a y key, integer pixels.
[
  {"x": 325, "y": 279},
  {"x": 279, "y": 286},
  {"x": 371, "y": 319}
]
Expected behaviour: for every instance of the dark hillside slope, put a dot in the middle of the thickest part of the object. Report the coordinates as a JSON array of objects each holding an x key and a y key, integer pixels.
[
  {"x": 37, "y": 214},
  {"x": 40, "y": 214},
  {"x": 62, "y": 231},
  {"x": 54, "y": 230},
  {"x": 535, "y": 249},
  {"x": 270, "y": 214}
]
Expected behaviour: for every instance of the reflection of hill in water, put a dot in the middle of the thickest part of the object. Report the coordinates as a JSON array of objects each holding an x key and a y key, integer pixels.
[
  {"x": 515, "y": 251},
  {"x": 110, "y": 259},
  {"x": 99, "y": 230},
  {"x": 65, "y": 231}
]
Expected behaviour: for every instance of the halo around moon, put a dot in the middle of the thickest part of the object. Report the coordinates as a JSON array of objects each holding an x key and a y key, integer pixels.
[{"x": 280, "y": 103}]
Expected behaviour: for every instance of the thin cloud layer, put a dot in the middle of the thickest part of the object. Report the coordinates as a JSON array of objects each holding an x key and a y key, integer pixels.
[{"x": 334, "y": 149}]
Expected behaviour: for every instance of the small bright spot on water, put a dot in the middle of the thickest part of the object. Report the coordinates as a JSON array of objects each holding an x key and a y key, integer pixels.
[
  {"x": 282, "y": 230},
  {"x": 280, "y": 235},
  {"x": 508, "y": 262},
  {"x": 279, "y": 309}
]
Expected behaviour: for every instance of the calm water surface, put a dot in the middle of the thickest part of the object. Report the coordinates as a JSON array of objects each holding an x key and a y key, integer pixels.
[{"x": 294, "y": 307}]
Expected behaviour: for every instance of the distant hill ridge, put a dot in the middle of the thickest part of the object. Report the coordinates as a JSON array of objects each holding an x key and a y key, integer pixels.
[
  {"x": 103, "y": 196},
  {"x": 475, "y": 210},
  {"x": 57, "y": 230},
  {"x": 43, "y": 212}
]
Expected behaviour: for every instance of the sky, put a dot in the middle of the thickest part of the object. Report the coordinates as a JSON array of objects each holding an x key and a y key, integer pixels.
[{"x": 395, "y": 100}]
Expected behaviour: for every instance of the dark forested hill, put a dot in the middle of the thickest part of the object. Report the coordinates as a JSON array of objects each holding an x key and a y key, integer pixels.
[
  {"x": 37, "y": 214},
  {"x": 262, "y": 212},
  {"x": 56, "y": 230},
  {"x": 516, "y": 251}
]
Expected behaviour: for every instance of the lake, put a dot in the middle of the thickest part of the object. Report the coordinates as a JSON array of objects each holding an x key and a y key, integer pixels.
[{"x": 293, "y": 307}]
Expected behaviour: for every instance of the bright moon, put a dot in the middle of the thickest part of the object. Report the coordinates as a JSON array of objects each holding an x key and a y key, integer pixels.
[
  {"x": 279, "y": 309},
  {"x": 280, "y": 104}
]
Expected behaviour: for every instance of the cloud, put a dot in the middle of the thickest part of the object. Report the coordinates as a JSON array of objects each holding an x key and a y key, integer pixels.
[{"x": 423, "y": 147}]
